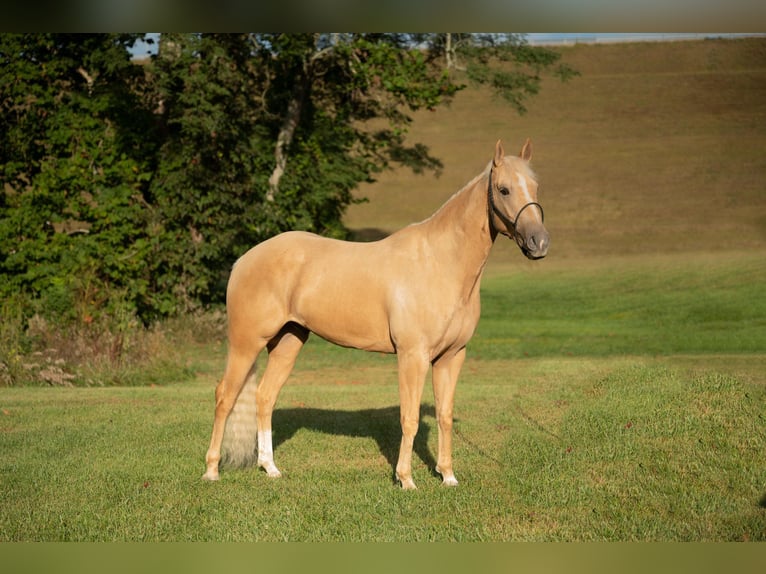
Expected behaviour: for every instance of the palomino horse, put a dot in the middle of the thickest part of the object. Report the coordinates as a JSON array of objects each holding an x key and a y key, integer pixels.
[{"x": 414, "y": 293}]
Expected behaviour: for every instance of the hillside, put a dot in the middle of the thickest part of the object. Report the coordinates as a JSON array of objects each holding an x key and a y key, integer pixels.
[{"x": 655, "y": 148}]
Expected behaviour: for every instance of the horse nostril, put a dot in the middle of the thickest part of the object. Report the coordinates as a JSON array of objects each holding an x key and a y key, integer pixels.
[{"x": 538, "y": 243}]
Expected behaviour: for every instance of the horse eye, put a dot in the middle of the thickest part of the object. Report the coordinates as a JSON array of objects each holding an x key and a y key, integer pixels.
[{"x": 504, "y": 190}]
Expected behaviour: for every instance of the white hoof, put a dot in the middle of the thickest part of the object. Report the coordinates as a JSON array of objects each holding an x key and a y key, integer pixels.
[
  {"x": 448, "y": 478},
  {"x": 449, "y": 481},
  {"x": 271, "y": 469}
]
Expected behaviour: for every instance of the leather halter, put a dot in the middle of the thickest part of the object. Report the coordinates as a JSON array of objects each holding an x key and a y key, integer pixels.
[{"x": 492, "y": 208}]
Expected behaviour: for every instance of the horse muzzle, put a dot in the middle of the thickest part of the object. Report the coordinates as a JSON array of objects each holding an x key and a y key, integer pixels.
[{"x": 534, "y": 245}]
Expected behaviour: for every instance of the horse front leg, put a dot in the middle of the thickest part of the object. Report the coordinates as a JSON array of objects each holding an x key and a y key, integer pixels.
[
  {"x": 413, "y": 367},
  {"x": 445, "y": 374}
]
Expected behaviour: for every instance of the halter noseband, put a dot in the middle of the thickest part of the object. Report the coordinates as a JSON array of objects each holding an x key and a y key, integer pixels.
[{"x": 492, "y": 208}]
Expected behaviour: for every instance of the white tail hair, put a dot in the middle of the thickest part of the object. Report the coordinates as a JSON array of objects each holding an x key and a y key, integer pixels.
[{"x": 240, "y": 437}]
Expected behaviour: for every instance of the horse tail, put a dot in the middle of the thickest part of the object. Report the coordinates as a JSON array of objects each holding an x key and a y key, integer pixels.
[{"x": 239, "y": 448}]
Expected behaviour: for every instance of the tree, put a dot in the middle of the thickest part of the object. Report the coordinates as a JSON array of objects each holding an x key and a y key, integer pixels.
[
  {"x": 74, "y": 171},
  {"x": 504, "y": 62}
]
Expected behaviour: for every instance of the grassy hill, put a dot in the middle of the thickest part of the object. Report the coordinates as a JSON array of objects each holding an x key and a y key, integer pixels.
[{"x": 656, "y": 148}]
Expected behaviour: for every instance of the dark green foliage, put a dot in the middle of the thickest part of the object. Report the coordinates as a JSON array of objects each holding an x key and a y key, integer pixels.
[
  {"x": 132, "y": 188},
  {"x": 75, "y": 166}
]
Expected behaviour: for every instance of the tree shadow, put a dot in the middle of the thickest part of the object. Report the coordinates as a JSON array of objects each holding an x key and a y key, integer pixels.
[
  {"x": 367, "y": 234},
  {"x": 382, "y": 425}
]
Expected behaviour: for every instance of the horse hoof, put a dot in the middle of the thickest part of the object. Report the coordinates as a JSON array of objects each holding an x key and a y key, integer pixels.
[
  {"x": 211, "y": 476},
  {"x": 271, "y": 469},
  {"x": 407, "y": 483},
  {"x": 448, "y": 478}
]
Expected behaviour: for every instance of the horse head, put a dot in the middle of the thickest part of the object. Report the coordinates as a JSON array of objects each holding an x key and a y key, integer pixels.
[{"x": 512, "y": 199}]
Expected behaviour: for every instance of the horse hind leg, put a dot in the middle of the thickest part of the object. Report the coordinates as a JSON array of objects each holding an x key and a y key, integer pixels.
[
  {"x": 283, "y": 350},
  {"x": 238, "y": 449},
  {"x": 238, "y": 368}
]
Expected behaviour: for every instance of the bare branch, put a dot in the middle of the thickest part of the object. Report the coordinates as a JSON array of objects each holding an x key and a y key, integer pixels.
[{"x": 87, "y": 77}]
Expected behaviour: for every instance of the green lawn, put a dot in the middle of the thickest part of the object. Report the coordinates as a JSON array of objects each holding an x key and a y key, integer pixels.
[
  {"x": 655, "y": 306},
  {"x": 620, "y": 405}
]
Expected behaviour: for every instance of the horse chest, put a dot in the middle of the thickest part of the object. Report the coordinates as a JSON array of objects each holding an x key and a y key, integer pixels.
[
  {"x": 462, "y": 324},
  {"x": 438, "y": 322}
]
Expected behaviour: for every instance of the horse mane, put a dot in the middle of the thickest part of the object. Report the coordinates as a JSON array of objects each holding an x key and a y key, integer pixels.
[
  {"x": 483, "y": 175},
  {"x": 519, "y": 163}
]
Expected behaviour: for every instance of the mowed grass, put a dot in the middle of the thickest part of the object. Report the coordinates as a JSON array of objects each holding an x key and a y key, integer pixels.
[
  {"x": 582, "y": 429},
  {"x": 658, "y": 306}
]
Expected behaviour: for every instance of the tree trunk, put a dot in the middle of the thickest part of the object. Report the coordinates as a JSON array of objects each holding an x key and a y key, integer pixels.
[
  {"x": 293, "y": 115},
  {"x": 285, "y": 138},
  {"x": 450, "y": 52}
]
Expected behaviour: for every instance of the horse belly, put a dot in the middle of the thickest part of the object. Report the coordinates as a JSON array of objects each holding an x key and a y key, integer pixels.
[
  {"x": 350, "y": 331},
  {"x": 346, "y": 322},
  {"x": 346, "y": 308}
]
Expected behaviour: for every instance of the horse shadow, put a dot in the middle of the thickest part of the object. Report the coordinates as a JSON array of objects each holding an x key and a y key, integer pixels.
[{"x": 380, "y": 424}]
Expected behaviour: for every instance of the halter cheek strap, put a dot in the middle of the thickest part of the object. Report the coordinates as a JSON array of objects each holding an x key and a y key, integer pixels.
[{"x": 492, "y": 209}]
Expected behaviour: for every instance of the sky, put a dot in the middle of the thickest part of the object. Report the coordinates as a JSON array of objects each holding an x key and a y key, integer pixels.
[{"x": 141, "y": 49}]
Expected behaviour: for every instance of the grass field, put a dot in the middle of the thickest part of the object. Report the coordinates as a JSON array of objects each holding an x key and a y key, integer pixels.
[
  {"x": 587, "y": 429},
  {"x": 614, "y": 391}
]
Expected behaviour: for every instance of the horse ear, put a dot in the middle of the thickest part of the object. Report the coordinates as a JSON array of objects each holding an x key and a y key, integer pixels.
[
  {"x": 499, "y": 153},
  {"x": 526, "y": 151}
]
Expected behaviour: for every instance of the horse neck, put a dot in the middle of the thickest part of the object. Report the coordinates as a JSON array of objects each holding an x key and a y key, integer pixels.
[{"x": 459, "y": 231}]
